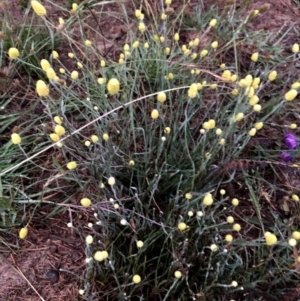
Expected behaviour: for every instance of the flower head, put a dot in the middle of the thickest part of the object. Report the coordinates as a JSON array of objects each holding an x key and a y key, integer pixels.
[
  {"x": 23, "y": 233},
  {"x": 270, "y": 238},
  {"x": 38, "y": 8},
  {"x": 136, "y": 279},
  {"x": 177, "y": 274},
  {"x": 85, "y": 202},
  {"x": 286, "y": 157},
  {"x": 290, "y": 95},
  {"x": 13, "y": 53},
  {"x": 15, "y": 138},
  {"x": 41, "y": 88},
  {"x": 290, "y": 140},
  {"x": 71, "y": 165},
  {"x": 113, "y": 86}
]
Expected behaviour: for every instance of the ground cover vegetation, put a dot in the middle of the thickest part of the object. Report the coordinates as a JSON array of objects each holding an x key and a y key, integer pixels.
[{"x": 175, "y": 158}]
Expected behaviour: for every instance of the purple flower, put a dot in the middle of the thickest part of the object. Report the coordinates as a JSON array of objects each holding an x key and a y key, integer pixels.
[
  {"x": 286, "y": 157},
  {"x": 290, "y": 140}
]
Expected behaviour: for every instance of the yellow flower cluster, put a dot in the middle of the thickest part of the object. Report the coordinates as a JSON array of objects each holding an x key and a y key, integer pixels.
[
  {"x": 38, "y": 8},
  {"x": 270, "y": 238}
]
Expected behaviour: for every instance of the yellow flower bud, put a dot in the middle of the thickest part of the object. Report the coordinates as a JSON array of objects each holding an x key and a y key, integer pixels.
[
  {"x": 98, "y": 256},
  {"x": 74, "y": 74},
  {"x": 176, "y": 36},
  {"x": 168, "y": 2},
  {"x": 257, "y": 108},
  {"x": 71, "y": 55},
  {"x": 55, "y": 54},
  {"x": 105, "y": 136},
  {"x": 154, "y": 114},
  {"x": 295, "y": 197},
  {"x": 230, "y": 220},
  {"x": 161, "y": 97},
  {"x": 167, "y": 130},
  {"x": 292, "y": 242},
  {"x": 87, "y": 43},
  {"x": 229, "y": 238},
  {"x": 111, "y": 181},
  {"x": 213, "y": 22},
  {"x": 136, "y": 279},
  {"x": 23, "y": 233},
  {"x": 167, "y": 50},
  {"x": 85, "y": 202},
  {"x": 113, "y": 86},
  {"x": 182, "y": 226},
  {"x": 13, "y": 53},
  {"x": 259, "y": 125},
  {"x": 131, "y": 163},
  {"x": 290, "y": 95},
  {"x": 270, "y": 238},
  {"x": 71, "y": 165},
  {"x": 139, "y": 244},
  {"x": 89, "y": 239},
  {"x": 226, "y": 74},
  {"x": 57, "y": 119},
  {"x": 38, "y": 8},
  {"x": 295, "y": 48},
  {"x": 177, "y": 274},
  {"x": 188, "y": 196},
  {"x": 41, "y": 88},
  {"x": 142, "y": 27},
  {"x": 254, "y": 100},
  {"x": 136, "y": 44},
  {"x": 214, "y": 248},
  {"x": 51, "y": 73},
  {"x": 254, "y": 57},
  {"x": 236, "y": 227},
  {"x": 252, "y": 132},
  {"x": 208, "y": 199},
  {"x": 272, "y": 75},
  {"x": 94, "y": 138},
  {"x": 214, "y": 44},
  {"x": 239, "y": 116},
  {"x": 15, "y": 138},
  {"x": 235, "y": 202},
  {"x": 203, "y": 53},
  {"x": 296, "y": 235},
  {"x": 54, "y": 137}
]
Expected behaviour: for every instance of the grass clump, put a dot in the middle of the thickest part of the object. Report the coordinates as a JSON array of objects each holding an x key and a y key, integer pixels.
[{"x": 149, "y": 142}]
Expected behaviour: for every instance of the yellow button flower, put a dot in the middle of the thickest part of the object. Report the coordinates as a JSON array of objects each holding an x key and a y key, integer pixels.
[
  {"x": 85, "y": 202},
  {"x": 176, "y": 36},
  {"x": 182, "y": 226},
  {"x": 55, "y": 54},
  {"x": 113, "y": 86},
  {"x": 54, "y": 137},
  {"x": 51, "y": 73},
  {"x": 254, "y": 57},
  {"x": 208, "y": 199},
  {"x": 139, "y": 244},
  {"x": 41, "y": 88},
  {"x": 23, "y": 233},
  {"x": 270, "y": 238},
  {"x": 136, "y": 279},
  {"x": 74, "y": 74},
  {"x": 15, "y": 138},
  {"x": 290, "y": 95},
  {"x": 71, "y": 165},
  {"x": 161, "y": 97},
  {"x": 87, "y": 43},
  {"x": 272, "y": 75},
  {"x": 111, "y": 181},
  {"x": 213, "y": 22},
  {"x": 177, "y": 274},
  {"x": 154, "y": 114},
  {"x": 13, "y": 53},
  {"x": 295, "y": 48},
  {"x": 38, "y": 8},
  {"x": 105, "y": 136},
  {"x": 229, "y": 238}
]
